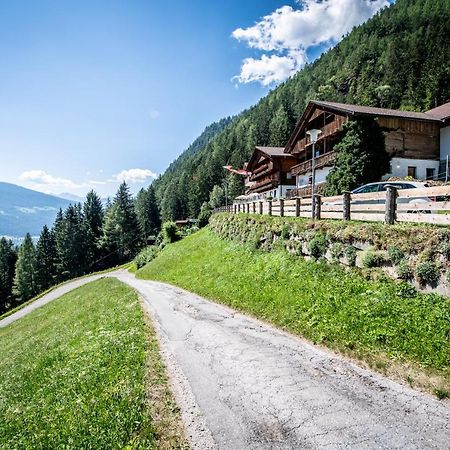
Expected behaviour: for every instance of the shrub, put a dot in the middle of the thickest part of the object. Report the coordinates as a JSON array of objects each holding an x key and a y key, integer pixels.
[
  {"x": 285, "y": 232},
  {"x": 169, "y": 231},
  {"x": 396, "y": 255},
  {"x": 447, "y": 276},
  {"x": 373, "y": 259},
  {"x": 317, "y": 246},
  {"x": 445, "y": 250},
  {"x": 350, "y": 254},
  {"x": 427, "y": 273},
  {"x": 145, "y": 256},
  {"x": 405, "y": 290},
  {"x": 404, "y": 271},
  {"x": 337, "y": 251}
]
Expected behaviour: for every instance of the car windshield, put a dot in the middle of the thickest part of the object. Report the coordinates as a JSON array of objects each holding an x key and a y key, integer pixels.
[{"x": 366, "y": 189}]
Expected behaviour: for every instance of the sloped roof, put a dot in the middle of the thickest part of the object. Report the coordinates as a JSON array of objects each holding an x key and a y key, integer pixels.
[
  {"x": 441, "y": 112},
  {"x": 272, "y": 151},
  {"x": 372, "y": 111}
]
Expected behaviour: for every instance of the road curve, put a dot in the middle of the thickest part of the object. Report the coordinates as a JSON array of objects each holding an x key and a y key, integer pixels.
[
  {"x": 242, "y": 384},
  {"x": 260, "y": 388},
  {"x": 52, "y": 295}
]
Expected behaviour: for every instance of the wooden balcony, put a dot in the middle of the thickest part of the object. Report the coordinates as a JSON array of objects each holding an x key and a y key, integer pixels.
[
  {"x": 265, "y": 184},
  {"x": 321, "y": 161}
]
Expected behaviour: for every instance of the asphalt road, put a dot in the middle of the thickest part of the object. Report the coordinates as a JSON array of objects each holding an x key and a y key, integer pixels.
[{"x": 242, "y": 384}]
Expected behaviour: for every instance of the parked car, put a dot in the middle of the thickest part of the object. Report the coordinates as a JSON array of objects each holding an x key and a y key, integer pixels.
[{"x": 381, "y": 186}]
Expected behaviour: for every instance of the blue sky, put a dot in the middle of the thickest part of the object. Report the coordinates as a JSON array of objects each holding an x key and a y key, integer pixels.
[{"x": 98, "y": 91}]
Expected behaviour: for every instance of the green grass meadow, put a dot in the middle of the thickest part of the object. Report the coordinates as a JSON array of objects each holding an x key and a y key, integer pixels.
[
  {"x": 319, "y": 301},
  {"x": 74, "y": 374}
]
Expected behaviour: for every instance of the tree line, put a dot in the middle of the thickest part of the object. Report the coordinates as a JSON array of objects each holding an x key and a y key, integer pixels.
[
  {"x": 84, "y": 238},
  {"x": 399, "y": 59}
]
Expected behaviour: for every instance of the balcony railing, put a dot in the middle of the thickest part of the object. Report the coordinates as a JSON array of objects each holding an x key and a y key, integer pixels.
[{"x": 321, "y": 161}]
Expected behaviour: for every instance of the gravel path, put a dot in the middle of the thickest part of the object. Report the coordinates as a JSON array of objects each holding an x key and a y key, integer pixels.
[{"x": 242, "y": 384}]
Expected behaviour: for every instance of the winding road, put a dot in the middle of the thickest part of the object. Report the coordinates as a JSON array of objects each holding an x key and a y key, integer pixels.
[{"x": 242, "y": 384}]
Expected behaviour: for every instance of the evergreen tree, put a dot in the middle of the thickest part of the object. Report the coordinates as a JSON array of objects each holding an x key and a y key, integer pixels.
[
  {"x": 24, "y": 280},
  {"x": 279, "y": 128},
  {"x": 217, "y": 197},
  {"x": 8, "y": 258},
  {"x": 121, "y": 235},
  {"x": 147, "y": 213},
  {"x": 93, "y": 216},
  {"x": 46, "y": 268},
  {"x": 361, "y": 157}
]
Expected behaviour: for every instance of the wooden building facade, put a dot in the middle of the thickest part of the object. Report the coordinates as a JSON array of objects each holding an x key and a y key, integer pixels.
[
  {"x": 412, "y": 139},
  {"x": 270, "y": 169}
]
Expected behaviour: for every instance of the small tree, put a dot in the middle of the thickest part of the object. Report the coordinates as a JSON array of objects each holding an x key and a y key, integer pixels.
[
  {"x": 361, "y": 157},
  {"x": 8, "y": 257},
  {"x": 45, "y": 260}
]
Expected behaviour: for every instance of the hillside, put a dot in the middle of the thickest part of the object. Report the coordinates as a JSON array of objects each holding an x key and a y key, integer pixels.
[
  {"x": 398, "y": 59},
  {"x": 26, "y": 211}
]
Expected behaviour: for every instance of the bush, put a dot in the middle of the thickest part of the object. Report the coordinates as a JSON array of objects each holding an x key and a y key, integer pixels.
[
  {"x": 445, "y": 250},
  {"x": 404, "y": 271},
  {"x": 350, "y": 254},
  {"x": 427, "y": 273},
  {"x": 337, "y": 251},
  {"x": 145, "y": 256},
  {"x": 373, "y": 259},
  {"x": 396, "y": 255},
  {"x": 169, "y": 231},
  {"x": 285, "y": 232},
  {"x": 205, "y": 214},
  {"x": 317, "y": 246}
]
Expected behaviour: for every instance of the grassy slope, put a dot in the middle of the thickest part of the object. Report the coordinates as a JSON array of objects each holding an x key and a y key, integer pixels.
[
  {"x": 367, "y": 319},
  {"x": 74, "y": 375}
]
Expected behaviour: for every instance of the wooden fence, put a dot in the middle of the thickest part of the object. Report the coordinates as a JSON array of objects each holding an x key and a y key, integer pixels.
[{"x": 427, "y": 205}]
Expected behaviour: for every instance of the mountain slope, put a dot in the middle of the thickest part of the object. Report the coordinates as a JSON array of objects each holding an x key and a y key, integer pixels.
[
  {"x": 398, "y": 59},
  {"x": 26, "y": 211}
]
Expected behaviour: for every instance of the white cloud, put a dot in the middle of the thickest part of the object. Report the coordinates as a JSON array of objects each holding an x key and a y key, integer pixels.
[
  {"x": 288, "y": 33},
  {"x": 135, "y": 175},
  {"x": 41, "y": 177},
  {"x": 271, "y": 69}
]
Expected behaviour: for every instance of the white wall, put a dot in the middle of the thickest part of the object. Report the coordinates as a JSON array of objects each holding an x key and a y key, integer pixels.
[
  {"x": 445, "y": 143},
  {"x": 399, "y": 167},
  {"x": 321, "y": 176}
]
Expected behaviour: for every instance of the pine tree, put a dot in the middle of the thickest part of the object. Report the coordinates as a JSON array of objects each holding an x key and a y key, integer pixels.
[
  {"x": 93, "y": 216},
  {"x": 147, "y": 213},
  {"x": 24, "y": 280},
  {"x": 121, "y": 236},
  {"x": 8, "y": 258},
  {"x": 46, "y": 268},
  {"x": 279, "y": 128}
]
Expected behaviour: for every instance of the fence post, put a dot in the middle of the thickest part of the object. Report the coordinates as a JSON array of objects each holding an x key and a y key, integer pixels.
[
  {"x": 317, "y": 206},
  {"x": 346, "y": 208},
  {"x": 391, "y": 205},
  {"x": 261, "y": 206},
  {"x": 297, "y": 207},
  {"x": 239, "y": 208},
  {"x": 248, "y": 208},
  {"x": 270, "y": 206},
  {"x": 254, "y": 207},
  {"x": 281, "y": 207}
]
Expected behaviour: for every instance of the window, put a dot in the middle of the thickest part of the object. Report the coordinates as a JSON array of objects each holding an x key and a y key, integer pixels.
[
  {"x": 412, "y": 171},
  {"x": 430, "y": 174},
  {"x": 289, "y": 176},
  {"x": 366, "y": 189}
]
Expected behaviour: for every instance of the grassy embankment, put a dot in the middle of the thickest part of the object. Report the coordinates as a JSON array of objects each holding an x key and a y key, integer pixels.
[
  {"x": 84, "y": 371},
  {"x": 398, "y": 333}
]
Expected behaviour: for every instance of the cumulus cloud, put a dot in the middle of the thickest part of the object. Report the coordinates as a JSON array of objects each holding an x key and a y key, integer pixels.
[
  {"x": 287, "y": 33},
  {"x": 135, "y": 175},
  {"x": 43, "y": 178}
]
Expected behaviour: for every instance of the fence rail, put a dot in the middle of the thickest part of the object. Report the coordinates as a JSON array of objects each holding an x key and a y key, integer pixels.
[{"x": 428, "y": 205}]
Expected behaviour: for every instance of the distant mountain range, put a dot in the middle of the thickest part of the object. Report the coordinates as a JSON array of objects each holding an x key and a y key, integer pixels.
[{"x": 26, "y": 211}]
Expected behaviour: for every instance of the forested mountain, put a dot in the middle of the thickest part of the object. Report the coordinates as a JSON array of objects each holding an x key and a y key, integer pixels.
[
  {"x": 398, "y": 59},
  {"x": 26, "y": 211}
]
